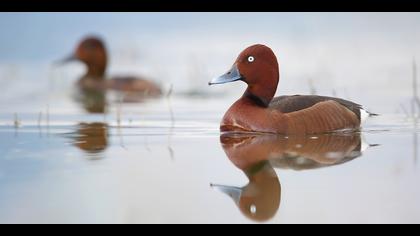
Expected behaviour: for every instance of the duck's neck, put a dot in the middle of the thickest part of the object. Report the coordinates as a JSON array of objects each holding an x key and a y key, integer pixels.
[
  {"x": 95, "y": 71},
  {"x": 259, "y": 101},
  {"x": 263, "y": 90},
  {"x": 261, "y": 95}
]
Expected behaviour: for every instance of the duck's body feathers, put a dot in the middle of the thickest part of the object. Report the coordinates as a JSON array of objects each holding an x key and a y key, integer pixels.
[{"x": 294, "y": 103}]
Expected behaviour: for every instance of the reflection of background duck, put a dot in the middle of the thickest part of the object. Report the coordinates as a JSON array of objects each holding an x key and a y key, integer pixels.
[
  {"x": 257, "y": 155},
  {"x": 92, "y": 138}
]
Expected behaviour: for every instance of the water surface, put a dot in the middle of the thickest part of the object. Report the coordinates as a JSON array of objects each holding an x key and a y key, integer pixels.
[{"x": 156, "y": 167}]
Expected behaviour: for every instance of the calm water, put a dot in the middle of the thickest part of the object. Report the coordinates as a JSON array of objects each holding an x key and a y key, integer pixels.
[
  {"x": 164, "y": 161},
  {"x": 156, "y": 167}
]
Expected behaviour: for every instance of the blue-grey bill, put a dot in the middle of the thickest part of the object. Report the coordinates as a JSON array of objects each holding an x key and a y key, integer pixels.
[
  {"x": 233, "y": 192},
  {"x": 232, "y": 75},
  {"x": 65, "y": 60}
]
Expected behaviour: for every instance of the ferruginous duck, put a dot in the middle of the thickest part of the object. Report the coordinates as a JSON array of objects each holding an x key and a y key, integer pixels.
[
  {"x": 92, "y": 52},
  {"x": 259, "y": 111}
]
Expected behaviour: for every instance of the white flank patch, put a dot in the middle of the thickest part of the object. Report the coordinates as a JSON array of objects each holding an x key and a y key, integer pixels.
[{"x": 363, "y": 115}]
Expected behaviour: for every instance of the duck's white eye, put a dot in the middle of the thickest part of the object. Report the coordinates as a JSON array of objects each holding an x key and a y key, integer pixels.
[
  {"x": 251, "y": 59},
  {"x": 253, "y": 209}
]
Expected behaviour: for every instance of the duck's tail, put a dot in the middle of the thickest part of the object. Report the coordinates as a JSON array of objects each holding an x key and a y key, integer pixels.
[
  {"x": 366, "y": 114},
  {"x": 372, "y": 114}
]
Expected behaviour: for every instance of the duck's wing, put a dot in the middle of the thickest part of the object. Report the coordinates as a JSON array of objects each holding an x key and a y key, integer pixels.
[
  {"x": 323, "y": 117},
  {"x": 134, "y": 84},
  {"x": 288, "y": 104}
]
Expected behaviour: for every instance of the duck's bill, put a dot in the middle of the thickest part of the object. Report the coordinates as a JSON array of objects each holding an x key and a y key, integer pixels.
[
  {"x": 66, "y": 60},
  {"x": 233, "y": 192},
  {"x": 231, "y": 76}
]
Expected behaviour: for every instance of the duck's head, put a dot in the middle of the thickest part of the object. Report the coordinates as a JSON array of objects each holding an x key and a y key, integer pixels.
[
  {"x": 258, "y": 67},
  {"x": 92, "y": 52}
]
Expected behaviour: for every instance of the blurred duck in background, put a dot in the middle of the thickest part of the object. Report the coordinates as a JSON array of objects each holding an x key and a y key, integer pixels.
[{"x": 92, "y": 52}]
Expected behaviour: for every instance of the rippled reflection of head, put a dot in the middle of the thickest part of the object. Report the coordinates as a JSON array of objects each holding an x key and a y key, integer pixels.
[{"x": 92, "y": 138}]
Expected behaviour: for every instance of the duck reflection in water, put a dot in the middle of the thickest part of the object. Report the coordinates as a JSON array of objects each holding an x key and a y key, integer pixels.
[
  {"x": 92, "y": 138},
  {"x": 258, "y": 155}
]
